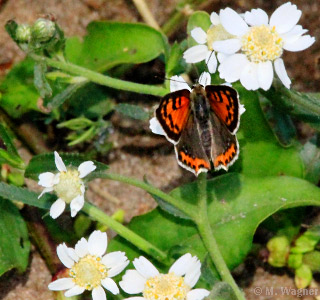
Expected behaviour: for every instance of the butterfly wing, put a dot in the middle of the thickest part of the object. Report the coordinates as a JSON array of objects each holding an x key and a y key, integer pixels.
[
  {"x": 224, "y": 101},
  {"x": 225, "y": 146},
  {"x": 173, "y": 113},
  {"x": 189, "y": 150}
]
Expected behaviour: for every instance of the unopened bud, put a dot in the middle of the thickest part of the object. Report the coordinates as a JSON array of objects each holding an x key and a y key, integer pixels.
[
  {"x": 43, "y": 30},
  {"x": 279, "y": 248},
  {"x": 23, "y": 33}
]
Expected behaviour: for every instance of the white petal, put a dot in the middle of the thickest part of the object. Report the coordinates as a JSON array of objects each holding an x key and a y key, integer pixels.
[
  {"x": 256, "y": 17},
  {"x": 62, "y": 252},
  {"x": 61, "y": 284},
  {"x": 227, "y": 46},
  {"x": 214, "y": 18},
  {"x": 45, "y": 190},
  {"x": 72, "y": 254},
  {"x": 177, "y": 83},
  {"x": 197, "y": 294},
  {"x": 195, "y": 54},
  {"x": 193, "y": 272},
  {"x": 110, "y": 285},
  {"x": 145, "y": 267},
  {"x": 232, "y": 22},
  {"x": 231, "y": 68},
  {"x": 97, "y": 243},
  {"x": 222, "y": 57},
  {"x": 242, "y": 109},
  {"x": 199, "y": 35},
  {"x": 135, "y": 298},
  {"x": 76, "y": 205},
  {"x": 155, "y": 126},
  {"x": 85, "y": 168},
  {"x": 211, "y": 62},
  {"x": 113, "y": 259},
  {"x": 118, "y": 269},
  {"x": 181, "y": 265},
  {"x": 59, "y": 162},
  {"x": 76, "y": 290},
  {"x": 265, "y": 75},
  {"x": 46, "y": 179},
  {"x": 132, "y": 282},
  {"x": 299, "y": 44},
  {"x": 249, "y": 76},
  {"x": 81, "y": 247},
  {"x": 282, "y": 73},
  {"x": 57, "y": 208},
  {"x": 293, "y": 34},
  {"x": 205, "y": 79},
  {"x": 285, "y": 17}
]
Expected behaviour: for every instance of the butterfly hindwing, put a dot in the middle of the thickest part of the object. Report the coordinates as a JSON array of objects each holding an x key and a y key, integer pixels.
[
  {"x": 173, "y": 113},
  {"x": 189, "y": 150},
  {"x": 225, "y": 147},
  {"x": 224, "y": 101}
]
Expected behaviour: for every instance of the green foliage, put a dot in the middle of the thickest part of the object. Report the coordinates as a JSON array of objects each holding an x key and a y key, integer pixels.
[
  {"x": 132, "y": 111},
  {"x": 14, "y": 242},
  {"x": 40, "y": 80},
  {"x": 197, "y": 19},
  {"x": 221, "y": 291},
  {"x": 310, "y": 154},
  {"x": 109, "y": 44},
  {"x": 238, "y": 210}
]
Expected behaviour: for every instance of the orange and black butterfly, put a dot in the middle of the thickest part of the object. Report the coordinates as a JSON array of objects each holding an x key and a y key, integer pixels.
[{"x": 202, "y": 123}]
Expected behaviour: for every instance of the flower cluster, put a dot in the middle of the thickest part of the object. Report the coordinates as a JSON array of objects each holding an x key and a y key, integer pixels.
[
  {"x": 250, "y": 46},
  {"x": 89, "y": 268}
]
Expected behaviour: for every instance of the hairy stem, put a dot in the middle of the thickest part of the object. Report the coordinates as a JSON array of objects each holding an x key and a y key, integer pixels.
[
  {"x": 100, "y": 78},
  {"x": 208, "y": 238},
  {"x": 145, "y": 13}
]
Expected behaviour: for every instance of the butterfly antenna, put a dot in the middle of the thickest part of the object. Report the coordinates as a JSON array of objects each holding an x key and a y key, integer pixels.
[
  {"x": 170, "y": 79},
  {"x": 209, "y": 60}
]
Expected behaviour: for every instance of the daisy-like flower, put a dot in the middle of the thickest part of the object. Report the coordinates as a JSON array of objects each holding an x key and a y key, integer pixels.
[
  {"x": 176, "y": 285},
  {"x": 204, "y": 51},
  {"x": 67, "y": 184},
  {"x": 89, "y": 268},
  {"x": 178, "y": 83},
  {"x": 261, "y": 42}
]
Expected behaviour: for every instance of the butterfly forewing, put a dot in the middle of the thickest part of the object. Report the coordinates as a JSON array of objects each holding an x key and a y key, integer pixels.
[
  {"x": 173, "y": 113},
  {"x": 224, "y": 101}
]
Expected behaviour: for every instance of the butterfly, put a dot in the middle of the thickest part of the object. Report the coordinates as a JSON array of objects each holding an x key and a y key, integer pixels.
[{"x": 201, "y": 123}]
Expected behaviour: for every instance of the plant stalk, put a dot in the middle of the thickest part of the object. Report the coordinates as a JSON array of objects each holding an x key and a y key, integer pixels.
[
  {"x": 100, "y": 78},
  {"x": 145, "y": 13},
  {"x": 124, "y": 232},
  {"x": 208, "y": 238}
]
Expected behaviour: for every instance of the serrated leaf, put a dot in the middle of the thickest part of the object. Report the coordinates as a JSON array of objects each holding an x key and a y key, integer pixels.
[
  {"x": 45, "y": 163},
  {"x": 7, "y": 140},
  {"x": 237, "y": 205},
  {"x": 14, "y": 193},
  {"x": 310, "y": 154},
  {"x": 132, "y": 111},
  {"x": 40, "y": 80},
  {"x": 221, "y": 291},
  {"x": 14, "y": 242},
  {"x": 108, "y": 44}
]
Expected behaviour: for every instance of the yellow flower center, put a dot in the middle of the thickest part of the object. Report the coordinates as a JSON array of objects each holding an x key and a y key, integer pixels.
[
  {"x": 88, "y": 272},
  {"x": 166, "y": 287},
  {"x": 217, "y": 33},
  {"x": 69, "y": 185},
  {"x": 262, "y": 43}
]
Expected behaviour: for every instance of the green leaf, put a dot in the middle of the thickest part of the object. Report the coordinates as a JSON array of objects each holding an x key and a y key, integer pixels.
[
  {"x": 14, "y": 193},
  {"x": 108, "y": 44},
  {"x": 132, "y": 111},
  {"x": 14, "y": 242},
  {"x": 310, "y": 154},
  {"x": 242, "y": 204},
  {"x": 197, "y": 19},
  {"x": 45, "y": 163},
  {"x": 260, "y": 152},
  {"x": 7, "y": 140},
  {"x": 221, "y": 291},
  {"x": 307, "y": 241},
  {"x": 40, "y": 80},
  {"x": 17, "y": 92},
  {"x": 176, "y": 64}
]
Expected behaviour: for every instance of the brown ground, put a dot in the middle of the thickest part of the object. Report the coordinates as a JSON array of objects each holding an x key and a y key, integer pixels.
[{"x": 160, "y": 169}]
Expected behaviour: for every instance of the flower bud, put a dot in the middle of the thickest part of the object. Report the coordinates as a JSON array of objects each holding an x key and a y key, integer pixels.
[
  {"x": 279, "y": 248},
  {"x": 43, "y": 30},
  {"x": 23, "y": 33}
]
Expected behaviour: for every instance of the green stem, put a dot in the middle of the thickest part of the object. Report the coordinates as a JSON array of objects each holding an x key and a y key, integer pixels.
[
  {"x": 208, "y": 239},
  {"x": 101, "y": 79},
  {"x": 181, "y": 205},
  {"x": 126, "y": 233}
]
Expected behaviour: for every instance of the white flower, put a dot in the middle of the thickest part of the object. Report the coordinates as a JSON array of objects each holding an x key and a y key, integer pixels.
[
  {"x": 67, "y": 184},
  {"x": 178, "y": 83},
  {"x": 261, "y": 42},
  {"x": 205, "y": 51},
  {"x": 89, "y": 268},
  {"x": 176, "y": 285}
]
